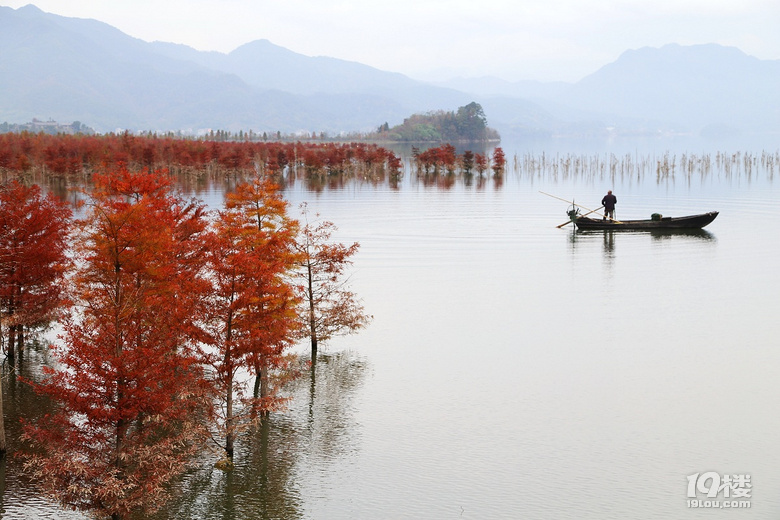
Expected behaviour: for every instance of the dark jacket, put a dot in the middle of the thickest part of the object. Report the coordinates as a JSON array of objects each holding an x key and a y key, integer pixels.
[{"x": 609, "y": 202}]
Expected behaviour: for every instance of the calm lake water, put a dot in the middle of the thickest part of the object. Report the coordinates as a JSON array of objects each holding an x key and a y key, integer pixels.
[{"x": 516, "y": 370}]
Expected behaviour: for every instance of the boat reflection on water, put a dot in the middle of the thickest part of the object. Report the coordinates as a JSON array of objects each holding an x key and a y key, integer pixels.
[
  {"x": 656, "y": 234},
  {"x": 579, "y": 238},
  {"x": 696, "y": 234}
]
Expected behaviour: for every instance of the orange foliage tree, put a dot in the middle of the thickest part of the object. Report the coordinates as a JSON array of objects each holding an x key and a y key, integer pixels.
[
  {"x": 499, "y": 161},
  {"x": 127, "y": 382},
  {"x": 33, "y": 240},
  {"x": 252, "y": 303},
  {"x": 481, "y": 163},
  {"x": 329, "y": 307}
]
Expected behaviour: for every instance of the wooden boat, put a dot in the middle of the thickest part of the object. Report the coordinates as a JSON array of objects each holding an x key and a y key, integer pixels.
[{"x": 689, "y": 222}]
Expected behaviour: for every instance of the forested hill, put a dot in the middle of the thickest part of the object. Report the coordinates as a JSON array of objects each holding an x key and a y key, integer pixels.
[{"x": 468, "y": 123}]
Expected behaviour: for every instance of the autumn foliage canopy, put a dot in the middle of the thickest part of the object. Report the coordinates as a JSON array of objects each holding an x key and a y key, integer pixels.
[
  {"x": 33, "y": 244},
  {"x": 177, "y": 322},
  {"x": 128, "y": 383},
  {"x": 171, "y": 312}
]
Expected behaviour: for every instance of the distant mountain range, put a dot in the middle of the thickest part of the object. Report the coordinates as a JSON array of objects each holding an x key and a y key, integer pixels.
[
  {"x": 707, "y": 89},
  {"x": 71, "y": 69}
]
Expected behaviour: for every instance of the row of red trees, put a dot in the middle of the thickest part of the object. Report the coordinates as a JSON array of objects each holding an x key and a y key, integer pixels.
[
  {"x": 169, "y": 315},
  {"x": 445, "y": 158},
  {"x": 74, "y": 155}
]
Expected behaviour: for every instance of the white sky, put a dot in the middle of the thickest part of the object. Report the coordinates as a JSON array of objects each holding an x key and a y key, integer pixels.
[{"x": 438, "y": 39}]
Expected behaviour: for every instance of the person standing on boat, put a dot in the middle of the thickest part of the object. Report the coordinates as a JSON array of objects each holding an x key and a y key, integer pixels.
[{"x": 609, "y": 202}]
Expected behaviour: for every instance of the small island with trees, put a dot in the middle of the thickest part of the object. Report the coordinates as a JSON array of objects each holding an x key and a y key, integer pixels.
[{"x": 467, "y": 124}]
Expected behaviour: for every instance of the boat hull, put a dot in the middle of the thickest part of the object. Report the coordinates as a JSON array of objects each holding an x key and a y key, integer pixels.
[{"x": 689, "y": 222}]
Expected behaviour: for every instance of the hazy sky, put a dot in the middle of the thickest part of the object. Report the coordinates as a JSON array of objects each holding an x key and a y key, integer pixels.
[{"x": 427, "y": 39}]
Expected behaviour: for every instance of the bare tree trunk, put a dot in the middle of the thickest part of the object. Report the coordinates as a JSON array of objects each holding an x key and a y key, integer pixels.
[
  {"x": 265, "y": 387},
  {"x": 313, "y": 331},
  {"x": 12, "y": 345},
  {"x": 20, "y": 343},
  {"x": 312, "y": 318},
  {"x": 3, "y": 446},
  {"x": 228, "y": 362},
  {"x": 262, "y": 387},
  {"x": 313, "y": 343},
  {"x": 230, "y": 434}
]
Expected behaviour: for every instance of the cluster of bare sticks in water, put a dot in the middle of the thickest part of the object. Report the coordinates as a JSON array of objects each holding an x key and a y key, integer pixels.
[
  {"x": 665, "y": 166},
  {"x": 73, "y": 158}
]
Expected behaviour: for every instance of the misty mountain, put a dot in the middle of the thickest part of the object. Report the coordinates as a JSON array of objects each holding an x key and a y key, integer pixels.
[
  {"x": 269, "y": 67},
  {"x": 76, "y": 69},
  {"x": 699, "y": 88},
  {"x": 491, "y": 86}
]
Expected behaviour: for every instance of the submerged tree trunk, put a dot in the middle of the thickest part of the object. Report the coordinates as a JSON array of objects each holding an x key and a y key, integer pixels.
[
  {"x": 313, "y": 343},
  {"x": 12, "y": 345},
  {"x": 265, "y": 388},
  {"x": 20, "y": 343},
  {"x": 229, "y": 434},
  {"x": 312, "y": 316},
  {"x": 2, "y": 421},
  {"x": 227, "y": 364},
  {"x": 262, "y": 388}
]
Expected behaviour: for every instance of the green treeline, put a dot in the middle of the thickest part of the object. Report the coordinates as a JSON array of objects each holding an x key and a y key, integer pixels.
[{"x": 468, "y": 123}]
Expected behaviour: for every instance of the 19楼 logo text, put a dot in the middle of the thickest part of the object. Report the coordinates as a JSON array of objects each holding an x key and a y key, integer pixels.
[{"x": 725, "y": 489}]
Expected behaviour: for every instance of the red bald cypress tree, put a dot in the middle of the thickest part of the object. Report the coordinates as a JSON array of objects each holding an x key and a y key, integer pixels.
[
  {"x": 328, "y": 308},
  {"x": 33, "y": 242},
  {"x": 253, "y": 305},
  {"x": 127, "y": 382}
]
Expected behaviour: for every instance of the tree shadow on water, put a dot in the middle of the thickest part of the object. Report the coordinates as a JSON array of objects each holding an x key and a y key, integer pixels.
[
  {"x": 330, "y": 424},
  {"x": 19, "y": 495},
  {"x": 287, "y": 452}
]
